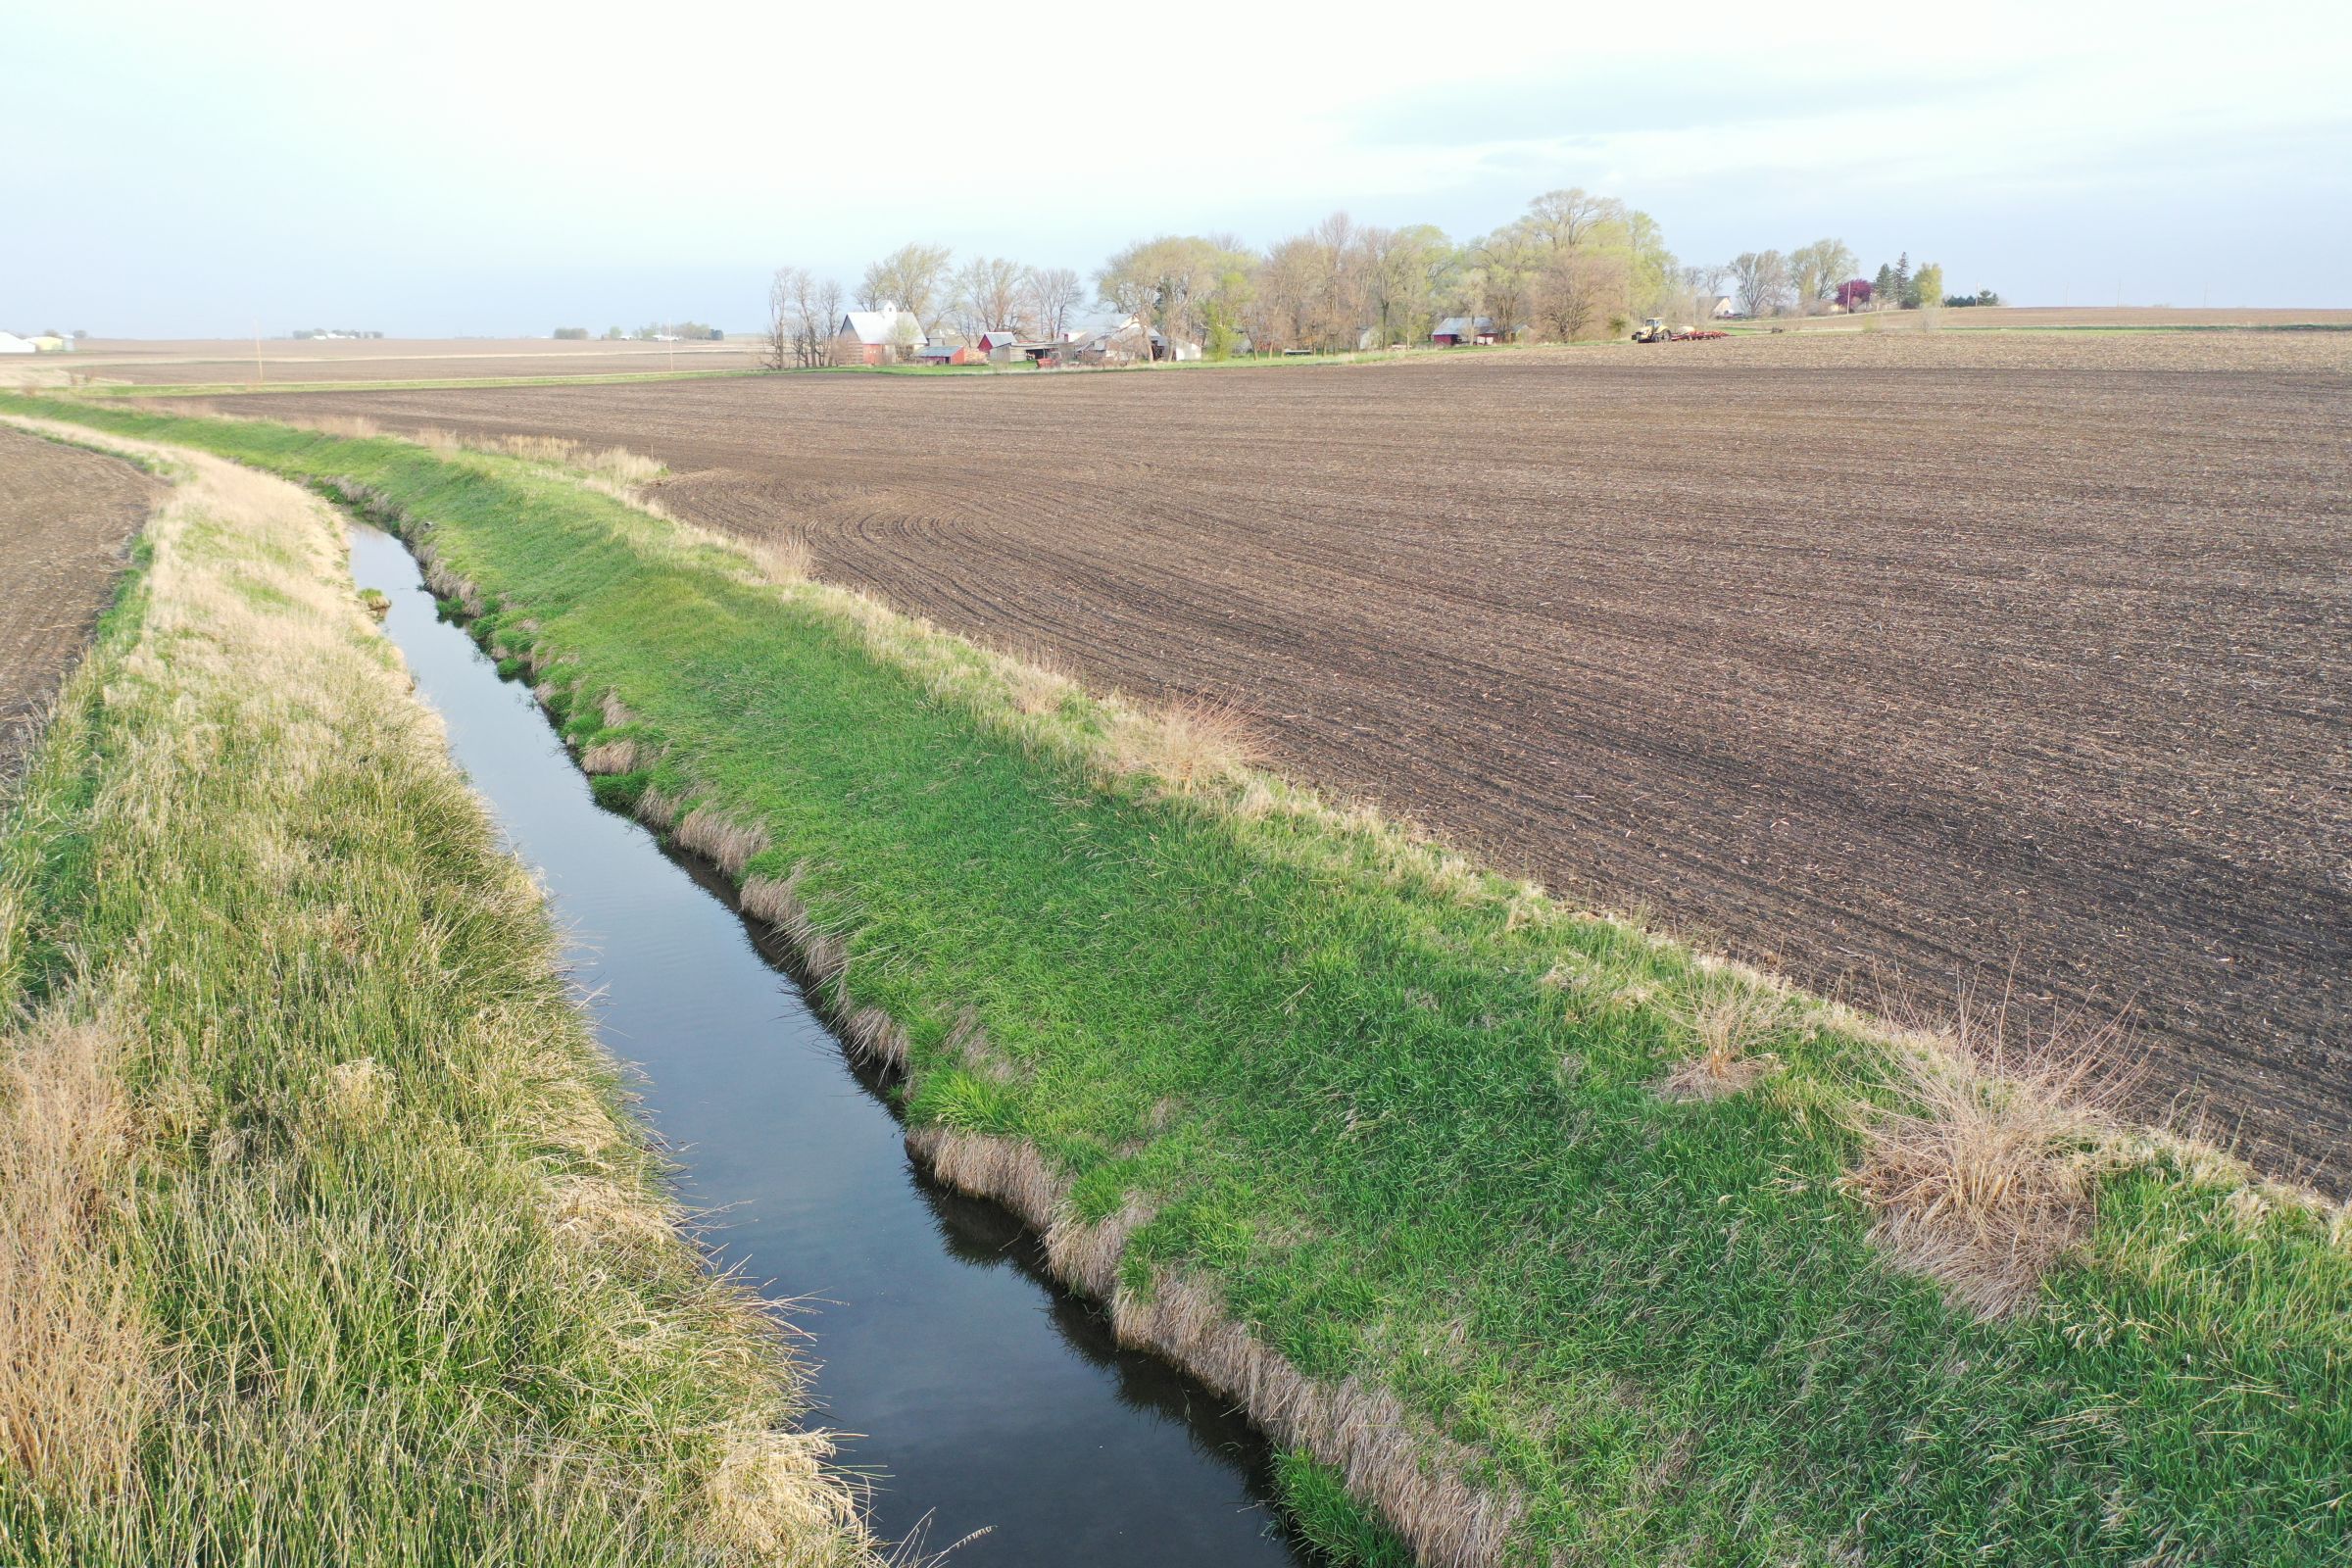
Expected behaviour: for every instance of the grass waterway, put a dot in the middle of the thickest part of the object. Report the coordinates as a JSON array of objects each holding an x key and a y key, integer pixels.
[
  {"x": 1553, "y": 1241},
  {"x": 984, "y": 1396}
]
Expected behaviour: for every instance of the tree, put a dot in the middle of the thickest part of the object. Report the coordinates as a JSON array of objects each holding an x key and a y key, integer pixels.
[
  {"x": 912, "y": 278},
  {"x": 1903, "y": 294},
  {"x": 1926, "y": 284},
  {"x": 783, "y": 344},
  {"x": 1405, "y": 272},
  {"x": 1168, "y": 284},
  {"x": 1884, "y": 290},
  {"x": 1501, "y": 279},
  {"x": 1699, "y": 286},
  {"x": 1815, "y": 271},
  {"x": 1561, "y": 219},
  {"x": 1761, "y": 280},
  {"x": 1576, "y": 290},
  {"x": 990, "y": 294},
  {"x": 1053, "y": 294}
]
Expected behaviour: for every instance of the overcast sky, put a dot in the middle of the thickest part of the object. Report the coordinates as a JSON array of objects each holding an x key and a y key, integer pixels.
[{"x": 179, "y": 170}]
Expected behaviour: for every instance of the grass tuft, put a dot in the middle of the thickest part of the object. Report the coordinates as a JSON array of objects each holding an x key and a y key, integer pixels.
[{"x": 1981, "y": 1171}]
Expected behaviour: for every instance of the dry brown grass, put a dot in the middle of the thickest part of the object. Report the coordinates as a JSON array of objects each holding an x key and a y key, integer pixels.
[
  {"x": 1728, "y": 1021},
  {"x": 1981, "y": 1174},
  {"x": 1187, "y": 744},
  {"x": 783, "y": 558},
  {"x": 78, "y": 1365},
  {"x": 824, "y": 953},
  {"x": 772, "y": 1499},
  {"x": 725, "y": 841},
  {"x": 622, "y": 755}
]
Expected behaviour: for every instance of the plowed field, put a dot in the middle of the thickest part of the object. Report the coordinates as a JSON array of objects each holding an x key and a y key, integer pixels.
[
  {"x": 65, "y": 516},
  {"x": 1901, "y": 666},
  {"x": 103, "y": 360}
]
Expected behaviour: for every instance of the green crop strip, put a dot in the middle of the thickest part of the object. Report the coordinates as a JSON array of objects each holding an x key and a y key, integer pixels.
[{"x": 1409, "y": 1123}]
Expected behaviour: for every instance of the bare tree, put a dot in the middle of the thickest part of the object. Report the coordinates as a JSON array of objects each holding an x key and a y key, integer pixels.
[
  {"x": 990, "y": 295},
  {"x": 912, "y": 278},
  {"x": 790, "y": 284},
  {"x": 1576, "y": 289},
  {"x": 1053, "y": 293},
  {"x": 1562, "y": 219},
  {"x": 830, "y": 304},
  {"x": 1761, "y": 278}
]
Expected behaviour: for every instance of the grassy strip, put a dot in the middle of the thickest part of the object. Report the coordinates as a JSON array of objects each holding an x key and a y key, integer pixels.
[
  {"x": 324, "y": 1236},
  {"x": 1402, "y": 1120}
]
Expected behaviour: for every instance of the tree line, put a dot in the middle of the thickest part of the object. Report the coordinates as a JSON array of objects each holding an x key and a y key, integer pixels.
[{"x": 1574, "y": 265}]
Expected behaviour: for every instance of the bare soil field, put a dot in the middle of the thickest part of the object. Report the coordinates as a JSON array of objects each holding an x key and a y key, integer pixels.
[
  {"x": 1978, "y": 318},
  {"x": 1901, "y": 665},
  {"x": 153, "y": 362},
  {"x": 66, "y": 517}
]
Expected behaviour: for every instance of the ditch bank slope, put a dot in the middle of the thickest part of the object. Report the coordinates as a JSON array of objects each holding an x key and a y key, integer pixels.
[
  {"x": 1543, "y": 1238},
  {"x": 324, "y": 1233}
]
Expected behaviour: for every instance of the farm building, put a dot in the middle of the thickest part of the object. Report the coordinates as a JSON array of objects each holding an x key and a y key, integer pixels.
[
  {"x": 1724, "y": 309},
  {"x": 879, "y": 336},
  {"x": 10, "y": 343},
  {"x": 1456, "y": 331},
  {"x": 948, "y": 353},
  {"x": 1132, "y": 340},
  {"x": 1000, "y": 344}
]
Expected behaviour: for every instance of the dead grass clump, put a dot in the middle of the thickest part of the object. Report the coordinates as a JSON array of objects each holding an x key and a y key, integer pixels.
[
  {"x": 359, "y": 1092},
  {"x": 1187, "y": 744},
  {"x": 1085, "y": 1255},
  {"x": 76, "y": 1367},
  {"x": 350, "y": 427},
  {"x": 771, "y": 1498},
  {"x": 785, "y": 558},
  {"x": 1011, "y": 1172},
  {"x": 1417, "y": 1479},
  {"x": 622, "y": 755},
  {"x": 657, "y": 810},
  {"x": 596, "y": 1212},
  {"x": 876, "y": 1039},
  {"x": 825, "y": 954},
  {"x": 1981, "y": 1177},
  {"x": 446, "y": 584},
  {"x": 1728, "y": 1021}
]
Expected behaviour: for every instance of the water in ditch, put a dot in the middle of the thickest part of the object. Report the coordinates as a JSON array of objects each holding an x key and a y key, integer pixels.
[{"x": 983, "y": 1396}]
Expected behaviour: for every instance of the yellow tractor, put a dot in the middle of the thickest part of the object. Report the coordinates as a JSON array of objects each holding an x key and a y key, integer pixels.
[{"x": 1654, "y": 330}]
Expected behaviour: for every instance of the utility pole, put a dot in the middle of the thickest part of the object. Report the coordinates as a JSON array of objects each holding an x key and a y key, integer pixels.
[{"x": 260, "y": 377}]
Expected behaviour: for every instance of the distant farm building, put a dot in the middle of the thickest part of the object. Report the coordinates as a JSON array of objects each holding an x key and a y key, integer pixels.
[
  {"x": 1725, "y": 308},
  {"x": 880, "y": 336},
  {"x": 1456, "y": 331},
  {"x": 1131, "y": 340},
  {"x": 946, "y": 354},
  {"x": 10, "y": 343}
]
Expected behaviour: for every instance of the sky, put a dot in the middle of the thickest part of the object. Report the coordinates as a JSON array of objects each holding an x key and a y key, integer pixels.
[{"x": 490, "y": 168}]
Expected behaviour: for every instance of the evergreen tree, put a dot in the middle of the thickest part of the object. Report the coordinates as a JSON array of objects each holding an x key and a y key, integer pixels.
[{"x": 1884, "y": 290}]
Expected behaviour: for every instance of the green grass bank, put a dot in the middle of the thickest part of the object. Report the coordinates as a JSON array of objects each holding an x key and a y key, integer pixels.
[
  {"x": 325, "y": 1233},
  {"x": 1537, "y": 1239}
]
